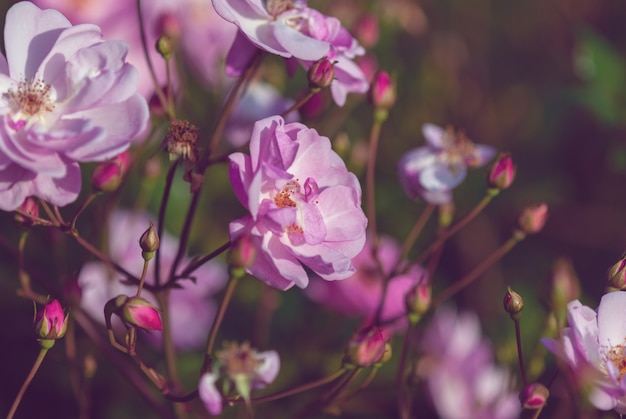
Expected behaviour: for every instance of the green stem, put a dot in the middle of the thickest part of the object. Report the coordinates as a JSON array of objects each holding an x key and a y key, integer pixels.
[
  {"x": 299, "y": 103},
  {"x": 456, "y": 227},
  {"x": 193, "y": 265},
  {"x": 80, "y": 210},
  {"x": 416, "y": 230},
  {"x": 480, "y": 269},
  {"x": 142, "y": 280},
  {"x": 29, "y": 378},
  {"x": 520, "y": 354},
  {"x": 219, "y": 316},
  {"x": 400, "y": 377},
  {"x": 53, "y": 218},
  {"x": 370, "y": 183},
  {"x": 169, "y": 179},
  {"x": 301, "y": 388}
]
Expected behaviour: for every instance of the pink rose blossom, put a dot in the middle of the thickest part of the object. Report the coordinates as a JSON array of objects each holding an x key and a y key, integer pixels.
[
  {"x": 51, "y": 321},
  {"x": 67, "y": 97},
  {"x": 457, "y": 365},
  {"x": 593, "y": 347},
  {"x": 305, "y": 207},
  {"x": 292, "y": 30},
  {"x": 191, "y": 307},
  {"x": 360, "y": 294},
  {"x": 432, "y": 171}
]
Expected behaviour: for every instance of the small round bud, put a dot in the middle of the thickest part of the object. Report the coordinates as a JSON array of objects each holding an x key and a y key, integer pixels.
[
  {"x": 502, "y": 172},
  {"x": 366, "y": 30},
  {"x": 242, "y": 255},
  {"x": 533, "y": 218},
  {"x": 30, "y": 207},
  {"x": 417, "y": 302},
  {"x": 107, "y": 176},
  {"x": 149, "y": 242},
  {"x": 382, "y": 93},
  {"x": 51, "y": 321},
  {"x": 367, "y": 347},
  {"x": 165, "y": 46},
  {"x": 140, "y": 313},
  {"x": 321, "y": 74},
  {"x": 564, "y": 284},
  {"x": 534, "y": 396},
  {"x": 513, "y": 303},
  {"x": 617, "y": 275}
]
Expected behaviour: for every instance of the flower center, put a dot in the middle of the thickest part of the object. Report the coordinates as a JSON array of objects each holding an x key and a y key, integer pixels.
[
  {"x": 618, "y": 357},
  {"x": 239, "y": 359},
  {"x": 283, "y": 198},
  {"x": 31, "y": 98},
  {"x": 277, "y": 7},
  {"x": 458, "y": 149}
]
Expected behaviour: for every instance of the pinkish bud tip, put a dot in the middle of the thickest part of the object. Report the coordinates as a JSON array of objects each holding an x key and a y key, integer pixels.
[
  {"x": 533, "y": 218},
  {"x": 367, "y": 347},
  {"x": 51, "y": 321},
  {"x": 140, "y": 313},
  {"x": 321, "y": 73},
  {"x": 382, "y": 93},
  {"x": 502, "y": 173}
]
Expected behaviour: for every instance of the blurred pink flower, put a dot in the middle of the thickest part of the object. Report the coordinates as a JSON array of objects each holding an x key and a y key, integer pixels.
[
  {"x": 457, "y": 365},
  {"x": 359, "y": 295},
  {"x": 593, "y": 346},
  {"x": 243, "y": 367},
  {"x": 305, "y": 207},
  {"x": 190, "y": 22},
  {"x": 432, "y": 171},
  {"x": 290, "y": 29},
  {"x": 68, "y": 97},
  {"x": 191, "y": 307}
]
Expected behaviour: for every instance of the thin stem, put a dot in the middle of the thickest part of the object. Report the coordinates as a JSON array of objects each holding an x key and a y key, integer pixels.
[
  {"x": 144, "y": 47},
  {"x": 334, "y": 394},
  {"x": 416, "y": 230},
  {"x": 193, "y": 265},
  {"x": 400, "y": 377},
  {"x": 456, "y": 227},
  {"x": 53, "y": 218},
  {"x": 520, "y": 354},
  {"x": 142, "y": 280},
  {"x": 299, "y": 103},
  {"x": 80, "y": 210},
  {"x": 37, "y": 220},
  {"x": 169, "y": 179},
  {"x": 301, "y": 388},
  {"x": 91, "y": 249},
  {"x": 370, "y": 183},
  {"x": 480, "y": 269},
  {"x": 219, "y": 316},
  {"x": 184, "y": 234},
  {"x": 29, "y": 378}
]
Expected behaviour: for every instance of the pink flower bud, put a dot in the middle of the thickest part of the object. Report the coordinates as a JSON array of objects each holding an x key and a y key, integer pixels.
[
  {"x": 513, "y": 303},
  {"x": 382, "y": 93},
  {"x": 51, "y": 321},
  {"x": 502, "y": 173},
  {"x": 418, "y": 301},
  {"x": 533, "y": 218},
  {"x": 242, "y": 254},
  {"x": 321, "y": 74},
  {"x": 367, "y": 347},
  {"x": 140, "y": 313},
  {"x": 366, "y": 30},
  {"x": 30, "y": 207},
  {"x": 107, "y": 176},
  {"x": 564, "y": 283},
  {"x": 534, "y": 396}
]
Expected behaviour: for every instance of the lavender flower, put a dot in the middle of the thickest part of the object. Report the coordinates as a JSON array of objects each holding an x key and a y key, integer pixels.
[
  {"x": 593, "y": 346},
  {"x": 305, "y": 207},
  {"x": 432, "y": 171},
  {"x": 67, "y": 97}
]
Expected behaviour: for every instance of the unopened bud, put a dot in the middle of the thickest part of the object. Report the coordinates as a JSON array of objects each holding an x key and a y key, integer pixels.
[
  {"x": 417, "y": 302},
  {"x": 513, "y": 303},
  {"x": 321, "y": 74},
  {"x": 51, "y": 322},
  {"x": 502, "y": 172},
  {"x": 149, "y": 242},
  {"x": 242, "y": 255},
  {"x": 534, "y": 396},
  {"x": 617, "y": 275},
  {"x": 140, "y": 313},
  {"x": 165, "y": 46},
  {"x": 107, "y": 176},
  {"x": 28, "y": 207},
  {"x": 382, "y": 93},
  {"x": 366, "y": 30},
  {"x": 533, "y": 218},
  {"x": 367, "y": 347}
]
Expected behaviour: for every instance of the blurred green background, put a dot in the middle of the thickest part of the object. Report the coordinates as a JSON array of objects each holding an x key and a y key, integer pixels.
[{"x": 545, "y": 80}]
